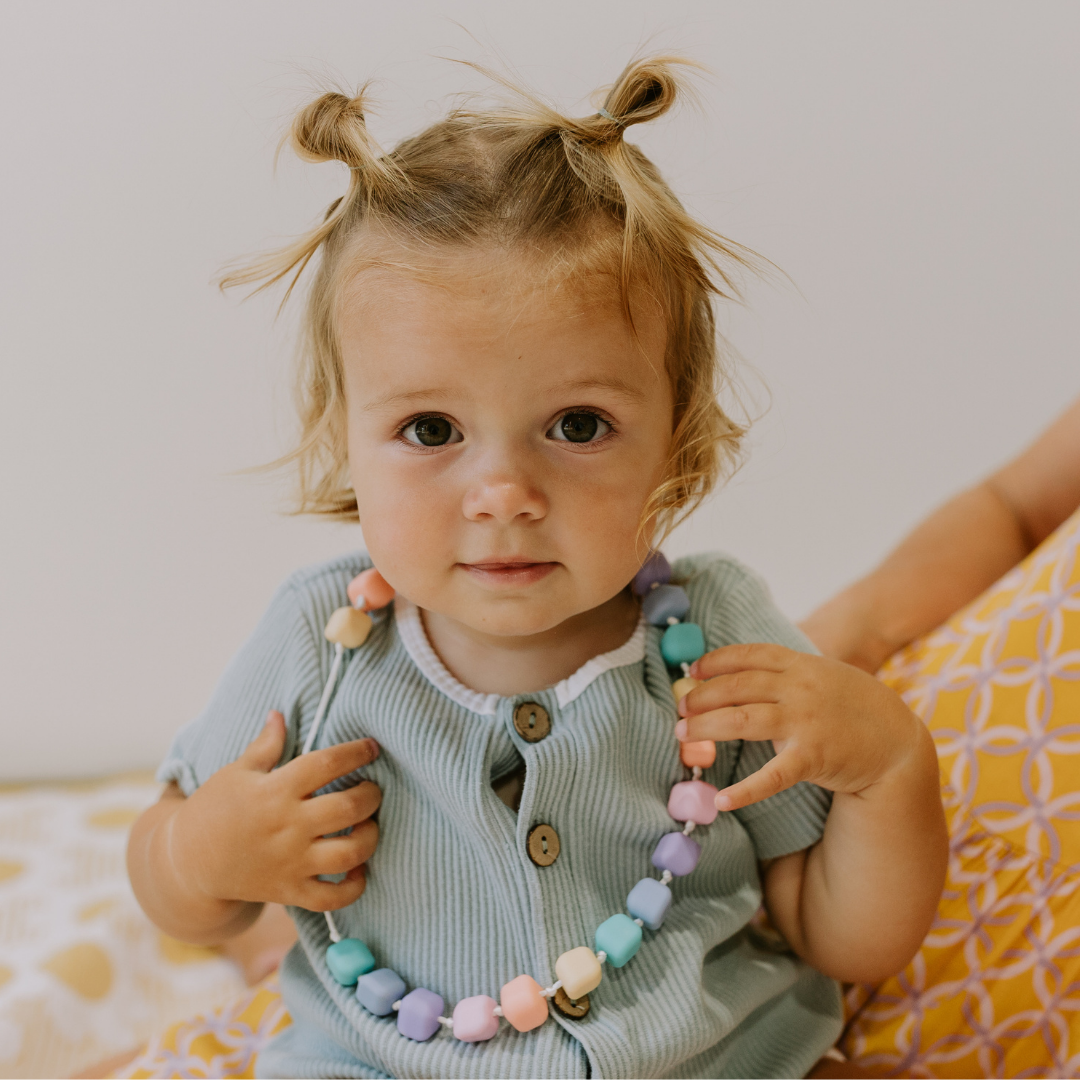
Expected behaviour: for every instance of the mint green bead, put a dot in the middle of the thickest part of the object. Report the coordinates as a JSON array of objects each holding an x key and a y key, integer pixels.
[
  {"x": 682, "y": 643},
  {"x": 620, "y": 938},
  {"x": 348, "y": 959}
]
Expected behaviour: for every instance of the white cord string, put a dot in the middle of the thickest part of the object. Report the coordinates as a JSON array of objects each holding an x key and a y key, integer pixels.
[
  {"x": 552, "y": 990},
  {"x": 689, "y": 827},
  {"x": 328, "y": 689},
  {"x": 665, "y": 877},
  {"x": 309, "y": 742}
]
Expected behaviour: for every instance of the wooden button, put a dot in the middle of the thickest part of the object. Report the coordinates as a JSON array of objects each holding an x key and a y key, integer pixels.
[
  {"x": 543, "y": 845},
  {"x": 574, "y": 1009},
  {"x": 532, "y": 721}
]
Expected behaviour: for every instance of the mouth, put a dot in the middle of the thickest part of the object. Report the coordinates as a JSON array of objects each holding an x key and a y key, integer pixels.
[{"x": 508, "y": 572}]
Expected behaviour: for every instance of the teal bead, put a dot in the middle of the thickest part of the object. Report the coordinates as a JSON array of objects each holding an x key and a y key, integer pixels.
[
  {"x": 682, "y": 643},
  {"x": 620, "y": 938},
  {"x": 348, "y": 959}
]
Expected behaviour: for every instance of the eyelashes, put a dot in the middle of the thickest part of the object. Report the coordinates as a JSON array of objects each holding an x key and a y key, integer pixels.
[
  {"x": 578, "y": 426},
  {"x": 431, "y": 431}
]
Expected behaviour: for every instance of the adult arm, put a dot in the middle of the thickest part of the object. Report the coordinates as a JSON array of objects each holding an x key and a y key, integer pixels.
[{"x": 956, "y": 553}]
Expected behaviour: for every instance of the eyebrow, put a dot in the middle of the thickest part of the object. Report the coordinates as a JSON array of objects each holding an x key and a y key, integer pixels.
[
  {"x": 404, "y": 397},
  {"x": 616, "y": 386}
]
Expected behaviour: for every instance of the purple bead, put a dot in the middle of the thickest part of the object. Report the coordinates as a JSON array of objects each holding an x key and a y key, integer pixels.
[
  {"x": 418, "y": 1014},
  {"x": 677, "y": 853},
  {"x": 655, "y": 571}
]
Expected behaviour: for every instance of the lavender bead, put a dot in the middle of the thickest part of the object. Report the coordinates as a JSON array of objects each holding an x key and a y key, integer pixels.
[
  {"x": 665, "y": 602},
  {"x": 655, "y": 571},
  {"x": 418, "y": 1014},
  {"x": 677, "y": 853}
]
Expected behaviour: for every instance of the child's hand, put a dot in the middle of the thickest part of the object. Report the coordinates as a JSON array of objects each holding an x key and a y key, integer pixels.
[
  {"x": 830, "y": 723},
  {"x": 253, "y": 832}
]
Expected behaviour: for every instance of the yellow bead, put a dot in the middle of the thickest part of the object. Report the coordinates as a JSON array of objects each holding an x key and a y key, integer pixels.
[
  {"x": 348, "y": 627},
  {"x": 579, "y": 972},
  {"x": 681, "y": 687}
]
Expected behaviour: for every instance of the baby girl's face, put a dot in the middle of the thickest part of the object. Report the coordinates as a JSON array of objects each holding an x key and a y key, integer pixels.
[{"x": 504, "y": 437}]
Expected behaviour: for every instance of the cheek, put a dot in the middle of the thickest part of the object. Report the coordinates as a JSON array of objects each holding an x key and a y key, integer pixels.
[{"x": 406, "y": 523}]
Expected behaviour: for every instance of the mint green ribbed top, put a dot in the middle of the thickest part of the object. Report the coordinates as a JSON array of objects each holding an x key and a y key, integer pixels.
[{"x": 453, "y": 902}]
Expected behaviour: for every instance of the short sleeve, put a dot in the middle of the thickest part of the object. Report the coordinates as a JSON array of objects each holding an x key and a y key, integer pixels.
[
  {"x": 737, "y": 608},
  {"x": 278, "y": 667}
]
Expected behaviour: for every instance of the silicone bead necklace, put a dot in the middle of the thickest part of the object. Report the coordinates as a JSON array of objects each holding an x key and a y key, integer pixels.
[{"x": 523, "y": 1003}]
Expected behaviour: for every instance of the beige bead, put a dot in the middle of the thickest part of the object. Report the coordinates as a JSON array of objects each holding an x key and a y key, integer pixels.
[
  {"x": 579, "y": 972},
  {"x": 348, "y": 627},
  {"x": 681, "y": 687}
]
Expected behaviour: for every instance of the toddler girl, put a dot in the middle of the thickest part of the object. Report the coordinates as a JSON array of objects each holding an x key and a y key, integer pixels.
[{"x": 510, "y": 378}]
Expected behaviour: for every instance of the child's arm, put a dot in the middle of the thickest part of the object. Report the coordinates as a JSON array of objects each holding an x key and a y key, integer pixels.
[
  {"x": 202, "y": 867},
  {"x": 857, "y": 904}
]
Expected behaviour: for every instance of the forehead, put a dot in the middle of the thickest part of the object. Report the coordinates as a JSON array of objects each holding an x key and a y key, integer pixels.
[{"x": 493, "y": 313}]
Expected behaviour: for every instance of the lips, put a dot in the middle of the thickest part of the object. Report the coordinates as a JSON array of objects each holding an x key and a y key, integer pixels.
[{"x": 508, "y": 572}]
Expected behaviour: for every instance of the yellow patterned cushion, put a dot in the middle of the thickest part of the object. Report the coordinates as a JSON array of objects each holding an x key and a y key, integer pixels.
[
  {"x": 995, "y": 989},
  {"x": 222, "y": 1043}
]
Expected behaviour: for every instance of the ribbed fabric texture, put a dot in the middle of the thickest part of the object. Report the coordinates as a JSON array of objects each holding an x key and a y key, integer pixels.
[{"x": 453, "y": 902}]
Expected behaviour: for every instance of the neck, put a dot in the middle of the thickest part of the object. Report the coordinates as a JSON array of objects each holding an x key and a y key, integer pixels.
[{"x": 522, "y": 665}]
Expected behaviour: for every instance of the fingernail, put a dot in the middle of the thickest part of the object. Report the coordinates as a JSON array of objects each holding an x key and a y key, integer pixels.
[
  {"x": 722, "y": 801},
  {"x": 680, "y": 730},
  {"x": 694, "y": 670},
  {"x": 681, "y": 706},
  {"x": 374, "y": 748}
]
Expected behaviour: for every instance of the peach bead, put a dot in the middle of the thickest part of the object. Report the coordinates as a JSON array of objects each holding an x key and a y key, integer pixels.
[
  {"x": 523, "y": 1005},
  {"x": 369, "y": 591},
  {"x": 697, "y": 754},
  {"x": 579, "y": 972},
  {"x": 693, "y": 800},
  {"x": 681, "y": 687},
  {"x": 348, "y": 627}
]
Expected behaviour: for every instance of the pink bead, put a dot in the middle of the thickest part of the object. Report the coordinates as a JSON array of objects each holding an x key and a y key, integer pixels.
[
  {"x": 523, "y": 1005},
  {"x": 475, "y": 1019},
  {"x": 693, "y": 800},
  {"x": 369, "y": 591}
]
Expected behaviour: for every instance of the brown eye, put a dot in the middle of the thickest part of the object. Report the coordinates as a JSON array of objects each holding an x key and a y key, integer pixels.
[
  {"x": 579, "y": 427},
  {"x": 432, "y": 431}
]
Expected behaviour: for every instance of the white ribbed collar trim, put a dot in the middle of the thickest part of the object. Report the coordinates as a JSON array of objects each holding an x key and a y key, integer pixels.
[{"x": 414, "y": 638}]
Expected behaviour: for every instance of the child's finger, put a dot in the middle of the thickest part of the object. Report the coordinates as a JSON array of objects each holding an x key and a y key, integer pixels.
[
  {"x": 340, "y": 809},
  {"x": 340, "y": 854},
  {"x": 758, "y": 656},
  {"x": 330, "y": 895},
  {"x": 740, "y": 688},
  {"x": 312, "y": 771},
  {"x": 755, "y": 723},
  {"x": 264, "y": 751},
  {"x": 776, "y": 775}
]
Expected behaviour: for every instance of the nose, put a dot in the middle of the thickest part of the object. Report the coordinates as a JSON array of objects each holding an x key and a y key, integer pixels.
[{"x": 504, "y": 496}]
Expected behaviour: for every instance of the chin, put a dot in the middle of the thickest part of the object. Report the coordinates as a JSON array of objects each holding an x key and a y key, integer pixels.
[{"x": 512, "y": 620}]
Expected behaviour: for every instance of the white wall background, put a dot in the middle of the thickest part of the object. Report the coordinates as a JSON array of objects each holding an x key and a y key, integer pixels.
[{"x": 913, "y": 166}]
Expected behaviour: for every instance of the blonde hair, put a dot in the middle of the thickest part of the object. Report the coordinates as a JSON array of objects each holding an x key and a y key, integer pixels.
[{"x": 518, "y": 175}]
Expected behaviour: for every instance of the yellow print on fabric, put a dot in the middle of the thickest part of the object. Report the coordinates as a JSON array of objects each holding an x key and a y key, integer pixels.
[{"x": 995, "y": 989}]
